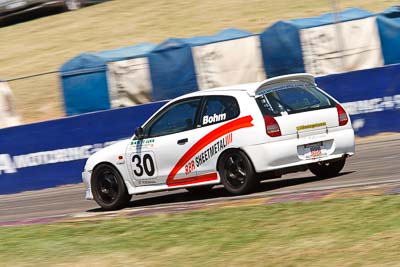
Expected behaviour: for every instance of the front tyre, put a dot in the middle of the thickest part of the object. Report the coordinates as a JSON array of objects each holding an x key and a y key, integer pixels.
[
  {"x": 108, "y": 188},
  {"x": 237, "y": 172},
  {"x": 327, "y": 169}
]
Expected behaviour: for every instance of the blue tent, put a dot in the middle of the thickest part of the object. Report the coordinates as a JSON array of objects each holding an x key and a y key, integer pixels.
[
  {"x": 389, "y": 32},
  {"x": 172, "y": 67},
  {"x": 281, "y": 45},
  {"x": 84, "y": 78},
  {"x": 391, "y": 12}
]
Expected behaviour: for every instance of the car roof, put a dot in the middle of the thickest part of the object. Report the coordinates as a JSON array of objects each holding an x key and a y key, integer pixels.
[{"x": 252, "y": 88}]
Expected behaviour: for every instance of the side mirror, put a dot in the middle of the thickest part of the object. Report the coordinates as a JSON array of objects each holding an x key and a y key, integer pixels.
[{"x": 139, "y": 133}]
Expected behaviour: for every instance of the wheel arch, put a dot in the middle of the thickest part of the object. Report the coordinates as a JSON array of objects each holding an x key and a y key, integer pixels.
[
  {"x": 229, "y": 150},
  {"x": 120, "y": 198},
  {"x": 110, "y": 165}
]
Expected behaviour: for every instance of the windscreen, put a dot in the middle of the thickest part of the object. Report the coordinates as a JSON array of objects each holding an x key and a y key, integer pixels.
[{"x": 292, "y": 98}]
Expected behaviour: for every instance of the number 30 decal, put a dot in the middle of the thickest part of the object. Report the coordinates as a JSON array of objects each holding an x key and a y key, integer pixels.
[{"x": 143, "y": 164}]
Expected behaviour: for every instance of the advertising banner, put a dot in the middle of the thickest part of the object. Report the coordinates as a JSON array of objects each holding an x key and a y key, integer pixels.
[
  {"x": 53, "y": 153},
  {"x": 372, "y": 97}
]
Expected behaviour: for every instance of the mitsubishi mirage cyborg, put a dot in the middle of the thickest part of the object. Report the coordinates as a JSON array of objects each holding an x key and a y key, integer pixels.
[{"x": 235, "y": 136}]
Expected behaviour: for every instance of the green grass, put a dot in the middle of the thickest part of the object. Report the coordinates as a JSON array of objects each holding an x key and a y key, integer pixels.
[
  {"x": 346, "y": 232},
  {"x": 46, "y": 43}
]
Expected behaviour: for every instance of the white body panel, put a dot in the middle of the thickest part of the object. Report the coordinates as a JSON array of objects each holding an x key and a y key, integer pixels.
[
  {"x": 166, "y": 152},
  {"x": 194, "y": 162}
]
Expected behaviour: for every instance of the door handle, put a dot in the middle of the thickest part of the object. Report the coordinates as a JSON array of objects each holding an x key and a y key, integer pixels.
[{"x": 182, "y": 141}]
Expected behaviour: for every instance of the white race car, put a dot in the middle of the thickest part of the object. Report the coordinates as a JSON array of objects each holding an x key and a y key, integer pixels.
[{"x": 236, "y": 135}]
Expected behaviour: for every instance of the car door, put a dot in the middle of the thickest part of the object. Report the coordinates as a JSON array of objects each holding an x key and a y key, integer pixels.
[
  {"x": 159, "y": 158},
  {"x": 218, "y": 121}
]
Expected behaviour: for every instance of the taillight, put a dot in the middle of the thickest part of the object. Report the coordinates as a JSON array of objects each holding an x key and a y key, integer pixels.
[
  {"x": 271, "y": 126},
  {"x": 342, "y": 115}
]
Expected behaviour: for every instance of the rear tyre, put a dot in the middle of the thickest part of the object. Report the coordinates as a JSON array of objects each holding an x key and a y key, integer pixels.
[
  {"x": 237, "y": 173},
  {"x": 200, "y": 190},
  {"x": 327, "y": 169},
  {"x": 108, "y": 188}
]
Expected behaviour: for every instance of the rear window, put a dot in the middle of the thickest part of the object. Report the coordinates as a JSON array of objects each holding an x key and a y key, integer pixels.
[{"x": 292, "y": 98}]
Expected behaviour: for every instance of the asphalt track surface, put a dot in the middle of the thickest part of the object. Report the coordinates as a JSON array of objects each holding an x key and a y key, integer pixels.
[{"x": 376, "y": 161}]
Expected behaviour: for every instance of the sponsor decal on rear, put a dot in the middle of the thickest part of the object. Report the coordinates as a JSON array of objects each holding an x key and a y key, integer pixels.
[{"x": 310, "y": 126}]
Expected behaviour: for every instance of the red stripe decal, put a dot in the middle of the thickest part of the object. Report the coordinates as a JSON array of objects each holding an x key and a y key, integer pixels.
[
  {"x": 195, "y": 180},
  {"x": 207, "y": 139}
]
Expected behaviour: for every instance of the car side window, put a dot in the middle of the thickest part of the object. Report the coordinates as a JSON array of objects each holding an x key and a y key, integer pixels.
[
  {"x": 176, "y": 118},
  {"x": 218, "y": 109}
]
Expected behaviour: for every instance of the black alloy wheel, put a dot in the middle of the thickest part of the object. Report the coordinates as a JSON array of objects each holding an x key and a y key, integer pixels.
[
  {"x": 108, "y": 188},
  {"x": 237, "y": 172}
]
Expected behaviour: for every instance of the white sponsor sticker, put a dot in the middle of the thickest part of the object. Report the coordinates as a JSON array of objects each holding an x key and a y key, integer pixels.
[{"x": 214, "y": 118}]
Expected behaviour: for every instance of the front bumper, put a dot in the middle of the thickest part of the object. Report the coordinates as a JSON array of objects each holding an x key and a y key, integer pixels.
[{"x": 86, "y": 175}]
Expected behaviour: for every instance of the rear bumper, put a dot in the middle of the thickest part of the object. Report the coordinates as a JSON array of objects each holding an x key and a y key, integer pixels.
[{"x": 288, "y": 153}]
